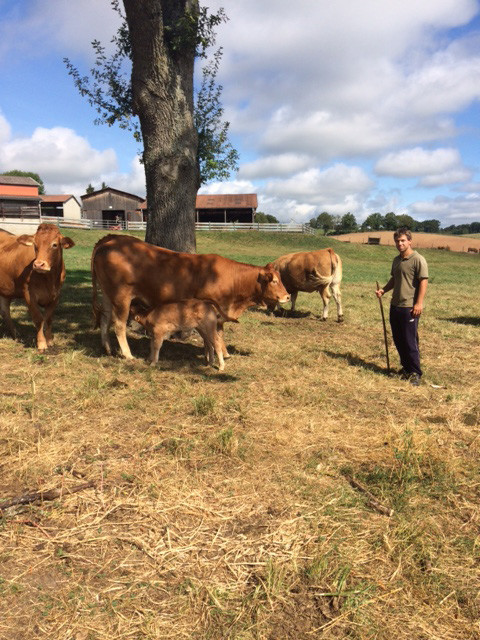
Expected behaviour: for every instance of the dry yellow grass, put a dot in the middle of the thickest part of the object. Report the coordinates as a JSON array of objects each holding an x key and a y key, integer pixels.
[
  {"x": 221, "y": 507},
  {"x": 420, "y": 240}
]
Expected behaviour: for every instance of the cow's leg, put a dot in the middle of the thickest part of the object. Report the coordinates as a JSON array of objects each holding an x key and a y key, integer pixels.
[
  {"x": 293, "y": 299},
  {"x": 5, "y": 313},
  {"x": 37, "y": 317},
  {"x": 221, "y": 334},
  {"x": 38, "y": 320},
  {"x": 325, "y": 295},
  {"x": 218, "y": 345},
  {"x": 48, "y": 318},
  {"x": 338, "y": 300},
  {"x": 120, "y": 314},
  {"x": 207, "y": 335},
  {"x": 105, "y": 322},
  {"x": 155, "y": 345}
]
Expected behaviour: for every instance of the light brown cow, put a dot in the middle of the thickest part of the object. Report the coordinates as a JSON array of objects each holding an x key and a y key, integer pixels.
[
  {"x": 127, "y": 268},
  {"x": 309, "y": 271},
  {"x": 161, "y": 322},
  {"x": 32, "y": 268}
]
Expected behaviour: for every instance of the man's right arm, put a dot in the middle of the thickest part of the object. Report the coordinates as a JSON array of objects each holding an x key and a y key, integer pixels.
[{"x": 387, "y": 287}]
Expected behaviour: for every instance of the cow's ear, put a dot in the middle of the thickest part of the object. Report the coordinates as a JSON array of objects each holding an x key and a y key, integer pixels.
[
  {"x": 28, "y": 241},
  {"x": 265, "y": 276},
  {"x": 67, "y": 243}
]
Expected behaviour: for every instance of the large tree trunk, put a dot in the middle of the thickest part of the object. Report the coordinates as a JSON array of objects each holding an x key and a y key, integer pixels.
[{"x": 163, "y": 53}]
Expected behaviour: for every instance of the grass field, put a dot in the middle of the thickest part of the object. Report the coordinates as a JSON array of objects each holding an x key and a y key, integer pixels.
[{"x": 229, "y": 506}]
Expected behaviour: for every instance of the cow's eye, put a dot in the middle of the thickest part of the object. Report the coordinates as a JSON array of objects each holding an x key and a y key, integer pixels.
[{"x": 54, "y": 245}]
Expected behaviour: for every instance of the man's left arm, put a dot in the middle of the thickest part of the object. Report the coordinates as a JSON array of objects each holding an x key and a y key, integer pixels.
[{"x": 418, "y": 306}]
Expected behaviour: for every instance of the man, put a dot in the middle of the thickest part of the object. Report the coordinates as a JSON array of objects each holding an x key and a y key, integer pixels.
[{"x": 409, "y": 279}]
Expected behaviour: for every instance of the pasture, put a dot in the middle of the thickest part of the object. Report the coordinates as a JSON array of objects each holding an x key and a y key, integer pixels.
[{"x": 251, "y": 504}]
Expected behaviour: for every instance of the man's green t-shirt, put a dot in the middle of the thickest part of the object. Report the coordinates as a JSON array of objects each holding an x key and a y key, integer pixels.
[{"x": 407, "y": 273}]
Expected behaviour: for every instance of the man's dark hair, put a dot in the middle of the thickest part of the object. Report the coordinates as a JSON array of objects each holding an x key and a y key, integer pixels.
[{"x": 402, "y": 231}]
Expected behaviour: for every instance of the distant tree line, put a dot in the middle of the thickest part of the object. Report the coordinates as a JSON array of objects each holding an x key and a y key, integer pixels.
[{"x": 334, "y": 224}]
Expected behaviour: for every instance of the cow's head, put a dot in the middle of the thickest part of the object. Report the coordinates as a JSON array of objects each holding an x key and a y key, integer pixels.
[
  {"x": 272, "y": 289},
  {"x": 48, "y": 244},
  {"x": 139, "y": 312}
]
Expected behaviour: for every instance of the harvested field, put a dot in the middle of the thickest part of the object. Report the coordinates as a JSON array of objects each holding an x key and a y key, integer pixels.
[
  {"x": 420, "y": 240},
  {"x": 251, "y": 504}
]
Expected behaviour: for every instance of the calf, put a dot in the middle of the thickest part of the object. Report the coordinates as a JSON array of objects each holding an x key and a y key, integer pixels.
[
  {"x": 32, "y": 268},
  {"x": 160, "y": 322}
]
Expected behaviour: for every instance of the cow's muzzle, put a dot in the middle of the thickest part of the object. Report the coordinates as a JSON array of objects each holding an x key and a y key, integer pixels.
[{"x": 40, "y": 266}]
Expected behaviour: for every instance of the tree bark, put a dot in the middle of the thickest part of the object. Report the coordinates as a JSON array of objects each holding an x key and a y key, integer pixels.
[{"x": 163, "y": 53}]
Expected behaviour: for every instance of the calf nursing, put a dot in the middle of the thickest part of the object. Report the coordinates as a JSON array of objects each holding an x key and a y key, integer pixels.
[{"x": 160, "y": 322}]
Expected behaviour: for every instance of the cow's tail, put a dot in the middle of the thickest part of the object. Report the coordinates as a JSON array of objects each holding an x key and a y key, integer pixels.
[
  {"x": 226, "y": 317},
  {"x": 333, "y": 261}
]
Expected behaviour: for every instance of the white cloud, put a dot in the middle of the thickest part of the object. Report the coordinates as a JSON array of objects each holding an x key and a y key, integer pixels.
[
  {"x": 5, "y": 130},
  {"x": 434, "y": 167},
  {"x": 447, "y": 177},
  {"x": 272, "y": 166},
  {"x": 230, "y": 187},
  {"x": 448, "y": 210},
  {"x": 417, "y": 162},
  {"x": 57, "y": 154},
  {"x": 68, "y": 27},
  {"x": 317, "y": 186}
]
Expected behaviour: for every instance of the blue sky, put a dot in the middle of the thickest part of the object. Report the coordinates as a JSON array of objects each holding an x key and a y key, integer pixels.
[{"x": 340, "y": 107}]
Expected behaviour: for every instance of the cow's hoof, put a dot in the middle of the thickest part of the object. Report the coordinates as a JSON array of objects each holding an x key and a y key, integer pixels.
[
  {"x": 323, "y": 319},
  {"x": 340, "y": 318}
]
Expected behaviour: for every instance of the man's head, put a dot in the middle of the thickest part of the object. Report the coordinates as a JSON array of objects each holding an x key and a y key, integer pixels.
[{"x": 403, "y": 240}]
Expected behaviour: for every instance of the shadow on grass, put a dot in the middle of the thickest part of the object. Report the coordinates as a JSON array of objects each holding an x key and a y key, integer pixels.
[
  {"x": 174, "y": 355},
  {"x": 356, "y": 361},
  {"x": 473, "y": 321},
  {"x": 281, "y": 313}
]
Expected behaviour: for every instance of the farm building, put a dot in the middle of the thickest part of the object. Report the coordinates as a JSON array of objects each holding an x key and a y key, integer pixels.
[
  {"x": 111, "y": 205},
  {"x": 61, "y": 206},
  {"x": 226, "y": 208},
  {"x": 19, "y": 197},
  {"x": 222, "y": 208}
]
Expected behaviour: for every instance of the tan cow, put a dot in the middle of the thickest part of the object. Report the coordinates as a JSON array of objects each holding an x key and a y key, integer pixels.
[
  {"x": 32, "y": 268},
  {"x": 161, "y": 322},
  {"x": 127, "y": 268},
  {"x": 309, "y": 271}
]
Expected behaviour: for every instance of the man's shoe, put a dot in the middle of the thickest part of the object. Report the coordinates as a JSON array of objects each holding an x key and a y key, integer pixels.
[
  {"x": 402, "y": 374},
  {"x": 414, "y": 379}
]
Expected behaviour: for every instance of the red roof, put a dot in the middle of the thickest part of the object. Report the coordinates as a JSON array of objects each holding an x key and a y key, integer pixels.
[
  {"x": 227, "y": 201},
  {"x": 61, "y": 198},
  {"x": 221, "y": 201}
]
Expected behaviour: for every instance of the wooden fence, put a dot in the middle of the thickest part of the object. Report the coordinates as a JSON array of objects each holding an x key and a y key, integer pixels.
[{"x": 127, "y": 225}]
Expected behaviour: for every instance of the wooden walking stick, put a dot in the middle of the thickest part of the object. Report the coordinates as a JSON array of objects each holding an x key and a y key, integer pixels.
[{"x": 384, "y": 331}]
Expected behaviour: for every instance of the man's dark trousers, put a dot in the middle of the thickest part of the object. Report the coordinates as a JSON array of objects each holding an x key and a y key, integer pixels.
[{"x": 405, "y": 336}]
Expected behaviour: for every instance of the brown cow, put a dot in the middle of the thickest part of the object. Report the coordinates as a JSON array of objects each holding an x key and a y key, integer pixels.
[
  {"x": 161, "y": 322},
  {"x": 309, "y": 271},
  {"x": 32, "y": 268},
  {"x": 128, "y": 268}
]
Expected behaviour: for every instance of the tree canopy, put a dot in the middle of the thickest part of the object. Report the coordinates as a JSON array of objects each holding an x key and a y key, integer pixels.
[
  {"x": 265, "y": 217},
  {"x": 158, "y": 41}
]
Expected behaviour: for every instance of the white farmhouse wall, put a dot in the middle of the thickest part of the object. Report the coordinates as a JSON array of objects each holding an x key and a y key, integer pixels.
[{"x": 72, "y": 210}]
